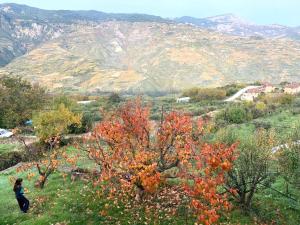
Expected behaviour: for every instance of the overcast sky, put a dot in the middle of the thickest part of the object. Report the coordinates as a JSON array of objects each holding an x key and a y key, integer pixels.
[{"x": 286, "y": 12}]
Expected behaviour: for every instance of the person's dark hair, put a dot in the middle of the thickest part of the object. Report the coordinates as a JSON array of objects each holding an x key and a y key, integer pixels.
[{"x": 17, "y": 183}]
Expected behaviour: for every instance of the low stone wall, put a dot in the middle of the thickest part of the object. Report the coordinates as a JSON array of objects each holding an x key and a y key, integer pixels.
[{"x": 10, "y": 159}]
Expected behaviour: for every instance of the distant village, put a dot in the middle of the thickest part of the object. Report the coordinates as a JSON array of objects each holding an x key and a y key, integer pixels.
[
  {"x": 250, "y": 93},
  {"x": 253, "y": 93}
]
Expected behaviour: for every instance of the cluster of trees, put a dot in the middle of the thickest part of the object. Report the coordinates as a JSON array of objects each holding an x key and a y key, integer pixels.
[
  {"x": 277, "y": 99},
  {"x": 242, "y": 112},
  {"x": 238, "y": 113},
  {"x": 211, "y": 94},
  {"x": 18, "y": 101},
  {"x": 205, "y": 94}
]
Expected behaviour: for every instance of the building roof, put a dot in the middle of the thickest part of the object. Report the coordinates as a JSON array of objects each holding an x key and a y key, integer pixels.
[
  {"x": 293, "y": 85},
  {"x": 256, "y": 90}
]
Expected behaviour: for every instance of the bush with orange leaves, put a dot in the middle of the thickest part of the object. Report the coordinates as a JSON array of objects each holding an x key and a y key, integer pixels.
[{"x": 133, "y": 153}]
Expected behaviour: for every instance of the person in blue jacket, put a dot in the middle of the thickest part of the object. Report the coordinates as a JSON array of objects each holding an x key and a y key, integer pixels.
[{"x": 19, "y": 191}]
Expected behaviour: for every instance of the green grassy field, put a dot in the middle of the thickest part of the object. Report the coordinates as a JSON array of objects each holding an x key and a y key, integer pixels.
[
  {"x": 65, "y": 201},
  {"x": 6, "y": 148}
]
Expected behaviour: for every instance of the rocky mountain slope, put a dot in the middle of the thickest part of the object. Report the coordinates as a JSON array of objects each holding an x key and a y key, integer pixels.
[
  {"x": 97, "y": 52},
  {"x": 22, "y": 28}
]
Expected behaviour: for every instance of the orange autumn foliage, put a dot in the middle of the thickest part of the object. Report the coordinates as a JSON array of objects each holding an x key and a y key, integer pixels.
[{"x": 132, "y": 153}]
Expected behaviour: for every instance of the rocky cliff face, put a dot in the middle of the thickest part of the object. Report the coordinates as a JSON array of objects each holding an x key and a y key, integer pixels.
[
  {"x": 20, "y": 35},
  {"x": 22, "y": 28}
]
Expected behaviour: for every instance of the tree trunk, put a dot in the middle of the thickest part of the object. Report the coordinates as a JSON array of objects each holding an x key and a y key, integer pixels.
[
  {"x": 139, "y": 194},
  {"x": 249, "y": 198},
  {"x": 242, "y": 198},
  {"x": 41, "y": 182}
]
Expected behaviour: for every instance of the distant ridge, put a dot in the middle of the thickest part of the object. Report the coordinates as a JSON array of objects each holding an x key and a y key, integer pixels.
[{"x": 235, "y": 25}]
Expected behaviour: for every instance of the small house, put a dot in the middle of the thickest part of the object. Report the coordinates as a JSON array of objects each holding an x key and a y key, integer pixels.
[
  {"x": 268, "y": 87},
  {"x": 251, "y": 94},
  {"x": 292, "y": 88},
  {"x": 85, "y": 102},
  {"x": 183, "y": 100}
]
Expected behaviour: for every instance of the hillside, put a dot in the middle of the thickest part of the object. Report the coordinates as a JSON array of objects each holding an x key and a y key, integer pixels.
[
  {"x": 23, "y": 28},
  {"x": 80, "y": 51}
]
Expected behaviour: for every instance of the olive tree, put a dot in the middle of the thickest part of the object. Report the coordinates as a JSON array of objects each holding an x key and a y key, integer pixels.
[{"x": 252, "y": 169}]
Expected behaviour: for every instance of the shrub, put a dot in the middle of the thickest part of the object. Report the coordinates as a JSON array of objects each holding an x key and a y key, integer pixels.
[
  {"x": 54, "y": 123},
  {"x": 236, "y": 114},
  {"x": 18, "y": 100},
  {"x": 86, "y": 124},
  {"x": 114, "y": 98},
  {"x": 202, "y": 94},
  {"x": 262, "y": 124},
  {"x": 278, "y": 99}
]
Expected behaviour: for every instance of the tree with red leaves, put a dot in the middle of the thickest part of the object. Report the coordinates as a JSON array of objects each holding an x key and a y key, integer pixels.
[{"x": 136, "y": 154}]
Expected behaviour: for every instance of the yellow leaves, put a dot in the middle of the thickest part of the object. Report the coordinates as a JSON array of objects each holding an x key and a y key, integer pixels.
[
  {"x": 261, "y": 106},
  {"x": 72, "y": 160},
  {"x": 54, "y": 123},
  {"x": 30, "y": 175},
  {"x": 12, "y": 180},
  {"x": 103, "y": 213},
  {"x": 45, "y": 162},
  {"x": 54, "y": 163}
]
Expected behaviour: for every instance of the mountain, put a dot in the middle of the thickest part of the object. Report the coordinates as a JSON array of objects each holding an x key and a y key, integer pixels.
[
  {"x": 81, "y": 51},
  {"x": 22, "y": 28},
  {"x": 234, "y": 25}
]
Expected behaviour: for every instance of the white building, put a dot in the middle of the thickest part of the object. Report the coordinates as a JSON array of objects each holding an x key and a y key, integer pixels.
[
  {"x": 183, "y": 100},
  {"x": 85, "y": 102},
  {"x": 251, "y": 94},
  {"x": 268, "y": 88},
  {"x": 292, "y": 88}
]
